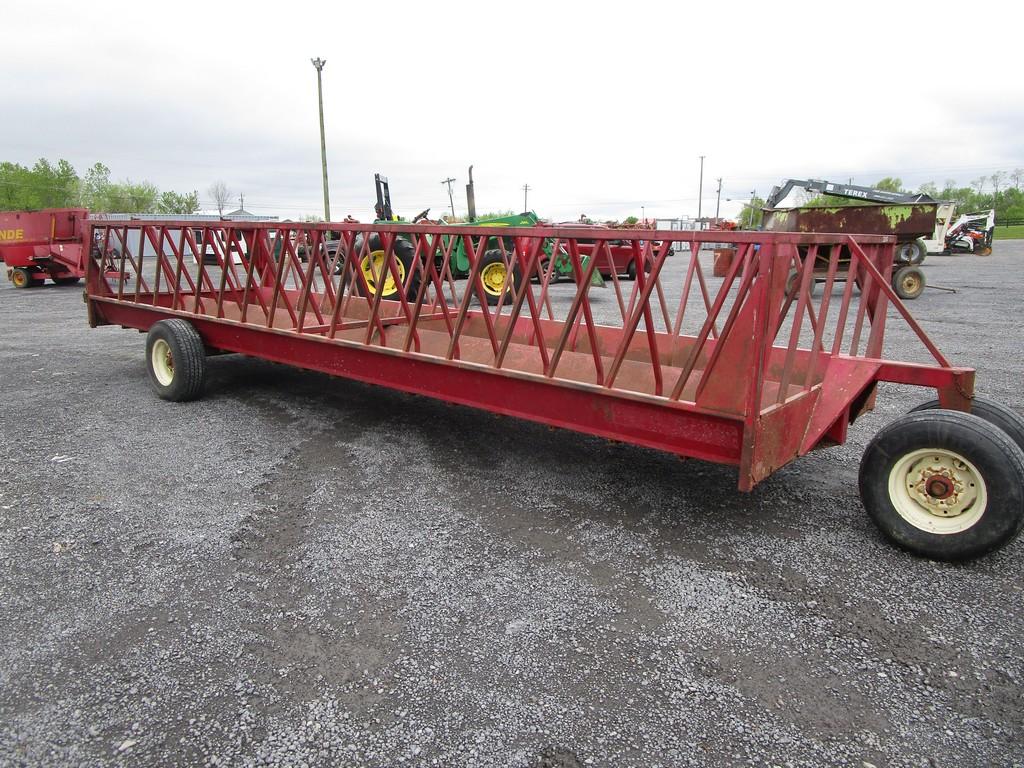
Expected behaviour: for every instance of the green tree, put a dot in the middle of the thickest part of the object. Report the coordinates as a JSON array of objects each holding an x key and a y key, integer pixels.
[
  {"x": 16, "y": 187},
  {"x": 49, "y": 185},
  {"x": 138, "y": 197},
  {"x": 94, "y": 187},
  {"x": 178, "y": 203},
  {"x": 54, "y": 186},
  {"x": 750, "y": 217},
  {"x": 889, "y": 184},
  {"x": 44, "y": 185}
]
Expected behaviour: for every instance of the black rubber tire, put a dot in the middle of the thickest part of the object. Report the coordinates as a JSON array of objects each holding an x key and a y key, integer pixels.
[
  {"x": 997, "y": 414},
  {"x": 908, "y": 282},
  {"x": 913, "y": 252},
  {"x": 998, "y": 460},
  {"x": 67, "y": 280},
  {"x": 792, "y": 282},
  {"x": 495, "y": 257},
  {"x": 631, "y": 270},
  {"x": 404, "y": 252},
  {"x": 21, "y": 278},
  {"x": 337, "y": 255},
  {"x": 188, "y": 356}
]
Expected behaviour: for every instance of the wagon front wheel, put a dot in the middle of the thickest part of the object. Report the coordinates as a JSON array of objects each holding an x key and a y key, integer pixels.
[
  {"x": 997, "y": 414},
  {"x": 908, "y": 282},
  {"x": 913, "y": 252},
  {"x": 944, "y": 484},
  {"x": 176, "y": 359}
]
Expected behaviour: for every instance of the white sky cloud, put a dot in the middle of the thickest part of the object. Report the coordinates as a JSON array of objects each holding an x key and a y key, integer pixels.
[{"x": 602, "y": 108}]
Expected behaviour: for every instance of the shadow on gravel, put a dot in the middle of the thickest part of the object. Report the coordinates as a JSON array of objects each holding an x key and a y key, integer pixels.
[{"x": 557, "y": 757}]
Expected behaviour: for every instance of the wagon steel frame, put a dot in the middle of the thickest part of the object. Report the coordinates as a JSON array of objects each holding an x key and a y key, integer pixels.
[{"x": 766, "y": 376}]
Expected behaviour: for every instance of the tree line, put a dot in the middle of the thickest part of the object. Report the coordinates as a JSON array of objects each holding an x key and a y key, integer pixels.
[
  {"x": 1001, "y": 191},
  {"x": 49, "y": 185}
]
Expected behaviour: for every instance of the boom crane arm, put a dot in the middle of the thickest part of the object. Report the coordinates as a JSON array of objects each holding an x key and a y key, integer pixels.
[{"x": 870, "y": 194}]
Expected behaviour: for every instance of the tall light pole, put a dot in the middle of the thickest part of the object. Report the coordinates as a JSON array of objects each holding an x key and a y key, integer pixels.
[
  {"x": 319, "y": 64},
  {"x": 526, "y": 191},
  {"x": 451, "y": 199},
  {"x": 718, "y": 200},
  {"x": 700, "y": 192}
]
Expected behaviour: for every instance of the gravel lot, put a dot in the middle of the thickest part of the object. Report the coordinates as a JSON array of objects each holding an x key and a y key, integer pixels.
[{"x": 299, "y": 570}]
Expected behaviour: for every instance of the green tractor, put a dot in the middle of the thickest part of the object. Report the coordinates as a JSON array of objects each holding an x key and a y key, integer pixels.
[{"x": 493, "y": 269}]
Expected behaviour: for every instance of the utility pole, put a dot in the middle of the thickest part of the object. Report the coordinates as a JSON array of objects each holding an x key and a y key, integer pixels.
[
  {"x": 718, "y": 200},
  {"x": 700, "y": 193},
  {"x": 241, "y": 201},
  {"x": 526, "y": 191},
  {"x": 451, "y": 199},
  {"x": 319, "y": 64}
]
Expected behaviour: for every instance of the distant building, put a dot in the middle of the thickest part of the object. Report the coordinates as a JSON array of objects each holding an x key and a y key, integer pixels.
[
  {"x": 243, "y": 215},
  {"x": 679, "y": 225},
  {"x": 240, "y": 215}
]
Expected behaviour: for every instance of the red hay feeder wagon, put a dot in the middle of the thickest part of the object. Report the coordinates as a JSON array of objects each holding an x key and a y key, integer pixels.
[
  {"x": 744, "y": 370},
  {"x": 36, "y": 245}
]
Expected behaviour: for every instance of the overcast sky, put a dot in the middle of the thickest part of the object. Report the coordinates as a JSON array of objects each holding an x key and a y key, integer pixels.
[{"x": 600, "y": 107}]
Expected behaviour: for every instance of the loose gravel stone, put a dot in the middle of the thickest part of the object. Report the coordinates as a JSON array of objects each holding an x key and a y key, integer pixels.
[{"x": 299, "y": 570}]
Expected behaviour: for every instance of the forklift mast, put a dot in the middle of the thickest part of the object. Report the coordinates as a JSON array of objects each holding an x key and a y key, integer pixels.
[{"x": 382, "y": 209}]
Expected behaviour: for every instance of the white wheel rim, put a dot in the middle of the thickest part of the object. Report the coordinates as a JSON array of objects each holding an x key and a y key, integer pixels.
[
  {"x": 938, "y": 491},
  {"x": 162, "y": 362}
]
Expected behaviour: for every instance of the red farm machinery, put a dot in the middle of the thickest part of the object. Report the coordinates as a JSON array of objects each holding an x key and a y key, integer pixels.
[
  {"x": 751, "y": 370},
  {"x": 40, "y": 245}
]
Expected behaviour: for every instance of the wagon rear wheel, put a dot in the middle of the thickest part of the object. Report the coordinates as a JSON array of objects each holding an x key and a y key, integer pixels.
[
  {"x": 495, "y": 277},
  {"x": 377, "y": 273},
  {"x": 21, "y": 278},
  {"x": 176, "y": 359},
  {"x": 944, "y": 484}
]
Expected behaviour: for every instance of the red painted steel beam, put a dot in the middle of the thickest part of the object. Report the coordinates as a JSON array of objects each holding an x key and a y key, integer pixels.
[{"x": 579, "y": 407}]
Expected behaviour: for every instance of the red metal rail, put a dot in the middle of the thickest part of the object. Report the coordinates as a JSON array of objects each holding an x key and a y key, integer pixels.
[{"x": 731, "y": 370}]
